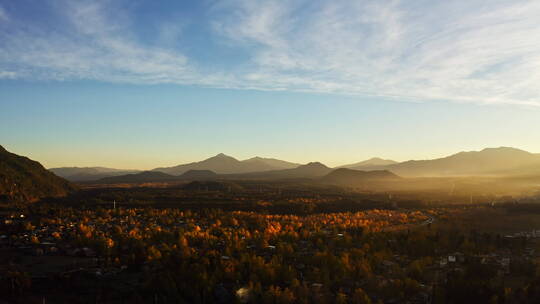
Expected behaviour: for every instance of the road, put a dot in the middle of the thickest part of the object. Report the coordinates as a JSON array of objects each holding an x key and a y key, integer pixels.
[{"x": 430, "y": 220}]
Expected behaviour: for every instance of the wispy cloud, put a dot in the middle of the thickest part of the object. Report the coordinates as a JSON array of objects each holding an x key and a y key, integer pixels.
[
  {"x": 97, "y": 44},
  {"x": 473, "y": 51},
  {"x": 3, "y": 15},
  {"x": 418, "y": 50}
]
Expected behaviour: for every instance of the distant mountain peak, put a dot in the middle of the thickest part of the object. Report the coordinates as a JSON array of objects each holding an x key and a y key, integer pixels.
[
  {"x": 376, "y": 159},
  {"x": 221, "y": 156},
  {"x": 371, "y": 164},
  {"x": 494, "y": 152},
  {"x": 267, "y": 164},
  {"x": 225, "y": 164},
  {"x": 489, "y": 161},
  {"x": 347, "y": 176},
  {"x": 256, "y": 159},
  {"x": 315, "y": 165},
  {"x": 504, "y": 149}
]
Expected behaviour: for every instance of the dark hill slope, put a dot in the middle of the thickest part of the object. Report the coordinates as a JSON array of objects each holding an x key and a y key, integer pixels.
[
  {"x": 212, "y": 186},
  {"x": 143, "y": 177},
  {"x": 84, "y": 174},
  {"x": 199, "y": 174},
  {"x": 344, "y": 176},
  {"x": 25, "y": 180},
  {"x": 310, "y": 170}
]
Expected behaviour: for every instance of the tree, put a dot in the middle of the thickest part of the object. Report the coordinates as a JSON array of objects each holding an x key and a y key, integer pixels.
[
  {"x": 360, "y": 297},
  {"x": 341, "y": 298}
]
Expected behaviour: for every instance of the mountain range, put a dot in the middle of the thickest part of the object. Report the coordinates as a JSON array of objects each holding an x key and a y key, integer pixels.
[
  {"x": 140, "y": 177},
  {"x": 224, "y": 164},
  {"x": 351, "y": 177},
  {"x": 488, "y": 162},
  {"x": 310, "y": 170},
  {"x": 374, "y": 163},
  {"x": 315, "y": 172},
  {"x": 157, "y": 176},
  {"x": 83, "y": 174},
  {"x": 22, "y": 179}
]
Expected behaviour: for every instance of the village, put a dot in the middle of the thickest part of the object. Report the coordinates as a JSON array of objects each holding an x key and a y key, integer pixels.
[{"x": 101, "y": 245}]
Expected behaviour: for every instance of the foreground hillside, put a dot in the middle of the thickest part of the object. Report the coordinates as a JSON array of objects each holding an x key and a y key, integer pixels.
[{"x": 22, "y": 179}]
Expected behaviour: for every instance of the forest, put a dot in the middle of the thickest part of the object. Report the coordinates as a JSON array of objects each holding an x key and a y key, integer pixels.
[{"x": 126, "y": 254}]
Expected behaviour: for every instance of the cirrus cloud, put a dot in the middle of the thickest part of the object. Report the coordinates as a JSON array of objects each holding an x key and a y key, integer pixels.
[
  {"x": 474, "y": 51},
  {"x": 416, "y": 50}
]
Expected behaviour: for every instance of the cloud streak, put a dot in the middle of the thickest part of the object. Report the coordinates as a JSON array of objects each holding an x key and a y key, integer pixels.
[
  {"x": 410, "y": 50},
  {"x": 441, "y": 51},
  {"x": 3, "y": 15},
  {"x": 96, "y": 45}
]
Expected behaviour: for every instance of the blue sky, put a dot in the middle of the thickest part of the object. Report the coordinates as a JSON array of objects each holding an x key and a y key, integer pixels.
[{"x": 141, "y": 84}]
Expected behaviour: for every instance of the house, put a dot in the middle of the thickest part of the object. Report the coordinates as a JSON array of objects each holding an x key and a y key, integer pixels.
[{"x": 443, "y": 262}]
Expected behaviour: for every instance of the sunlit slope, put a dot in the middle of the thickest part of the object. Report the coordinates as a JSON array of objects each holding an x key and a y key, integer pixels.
[
  {"x": 374, "y": 163},
  {"x": 490, "y": 162}
]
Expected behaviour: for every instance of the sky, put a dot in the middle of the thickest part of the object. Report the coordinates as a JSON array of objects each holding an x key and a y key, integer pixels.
[{"x": 143, "y": 84}]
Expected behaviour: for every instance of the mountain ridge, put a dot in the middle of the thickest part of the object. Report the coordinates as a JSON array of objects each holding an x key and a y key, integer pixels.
[
  {"x": 26, "y": 180},
  {"x": 488, "y": 161},
  {"x": 224, "y": 164},
  {"x": 81, "y": 174},
  {"x": 351, "y": 177},
  {"x": 141, "y": 177},
  {"x": 373, "y": 163},
  {"x": 309, "y": 170}
]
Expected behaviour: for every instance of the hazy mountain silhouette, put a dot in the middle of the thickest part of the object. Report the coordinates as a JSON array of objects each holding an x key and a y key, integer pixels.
[
  {"x": 142, "y": 177},
  {"x": 310, "y": 170},
  {"x": 81, "y": 174},
  {"x": 490, "y": 161},
  {"x": 224, "y": 164},
  {"x": 22, "y": 179},
  {"x": 344, "y": 176},
  {"x": 273, "y": 163},
  {"x": 374, "y": 163}
]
